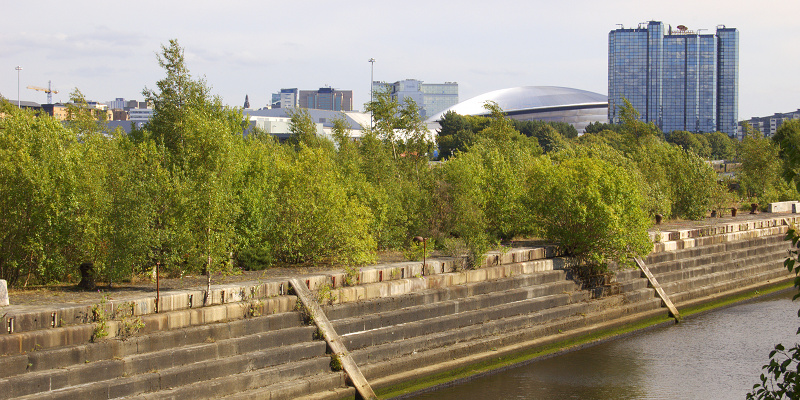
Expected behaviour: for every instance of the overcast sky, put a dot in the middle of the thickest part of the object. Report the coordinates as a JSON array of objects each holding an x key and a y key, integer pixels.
[{"x": 255, "y": 48}]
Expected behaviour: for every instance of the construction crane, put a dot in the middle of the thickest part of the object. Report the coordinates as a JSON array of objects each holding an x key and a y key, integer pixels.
[{"x": 47, "y": 90}]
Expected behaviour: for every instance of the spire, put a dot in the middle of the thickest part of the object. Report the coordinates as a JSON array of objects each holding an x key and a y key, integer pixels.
[{"x": 246, "y": 102}]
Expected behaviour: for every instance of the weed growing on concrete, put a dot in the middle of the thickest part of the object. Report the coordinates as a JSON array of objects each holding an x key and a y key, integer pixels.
[
  {"x": 336, "y": 363},
  {"x": 456, "y": 248},
  {"x": 129, "y": 324},
  {"x": 350, "y": 275},
  {"x": 100, "y": 318},
  {"x": 305, "y": 313},
  {"x": 325, "y": 295}
]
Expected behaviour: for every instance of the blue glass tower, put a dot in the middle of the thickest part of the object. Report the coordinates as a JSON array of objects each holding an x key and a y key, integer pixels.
[{"x": 681, "y": 80}]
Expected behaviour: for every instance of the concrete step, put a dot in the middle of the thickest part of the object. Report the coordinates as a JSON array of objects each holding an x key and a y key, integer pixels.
[
  {"x": 746, "y": 271},
  {"x": 250, "y": 381},
  {"x": 699, "y": 292},
  {"x": 449, "y": 307},
  {"x": 106, "y": 379},
  {"x": 319, "y": 385},
  {"x": 718, "y": 247},
  {"x": 459, "y": 320},
  {"x": 428, "y": 296},
  {"x": 63, "y": 357},
  {"x": 718, "y": 266},
  {"x": 446, "y": 337},
  {"x": 731, "y": 251},
  {"x": 392, "y": 371}
]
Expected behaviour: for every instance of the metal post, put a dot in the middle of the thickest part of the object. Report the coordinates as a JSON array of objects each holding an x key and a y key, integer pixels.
[
  {"x": 371, "y": 90},
  {"x": 18, "y": 101}
]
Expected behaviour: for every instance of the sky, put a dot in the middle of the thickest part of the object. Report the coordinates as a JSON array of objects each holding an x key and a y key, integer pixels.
[{"x": 108, "y": 50}]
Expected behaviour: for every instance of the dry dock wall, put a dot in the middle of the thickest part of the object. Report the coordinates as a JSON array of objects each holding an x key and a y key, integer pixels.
[{"x": 402, "y": 321}]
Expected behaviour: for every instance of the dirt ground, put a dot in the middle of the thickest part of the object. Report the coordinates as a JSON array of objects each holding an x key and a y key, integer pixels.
[{"x": 143, "y": 286}]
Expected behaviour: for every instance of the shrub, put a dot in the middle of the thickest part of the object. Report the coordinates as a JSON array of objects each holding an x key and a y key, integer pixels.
[{"x": 591, "y": 208}]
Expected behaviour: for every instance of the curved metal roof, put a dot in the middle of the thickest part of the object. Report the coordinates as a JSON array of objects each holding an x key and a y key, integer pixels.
[{"x": 526, "y": 98}]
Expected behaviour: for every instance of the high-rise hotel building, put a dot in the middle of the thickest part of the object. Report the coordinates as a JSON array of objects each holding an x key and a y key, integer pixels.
[{"x": 678, "y": 79}]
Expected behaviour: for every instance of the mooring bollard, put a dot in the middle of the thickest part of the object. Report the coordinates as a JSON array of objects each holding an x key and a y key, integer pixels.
[{"x": 3, "y": 293}]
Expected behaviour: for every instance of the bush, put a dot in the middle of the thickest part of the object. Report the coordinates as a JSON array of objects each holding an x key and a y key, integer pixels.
[{"x": 591, "y": 208}]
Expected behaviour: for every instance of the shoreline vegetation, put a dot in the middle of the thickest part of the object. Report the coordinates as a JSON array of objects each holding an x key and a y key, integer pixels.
[{"x": 189, "y": 194}]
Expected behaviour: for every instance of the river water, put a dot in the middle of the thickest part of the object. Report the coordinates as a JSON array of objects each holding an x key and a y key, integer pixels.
[{"x": 717, "y": 355}]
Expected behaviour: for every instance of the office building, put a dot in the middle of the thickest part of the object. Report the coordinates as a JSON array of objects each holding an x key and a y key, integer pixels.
[
  {"x": 327, "y": 99},
  {"x": 678, "y": 79},
  {"x": 769, "y": 125},
  {"x": 431, "y": 98}
]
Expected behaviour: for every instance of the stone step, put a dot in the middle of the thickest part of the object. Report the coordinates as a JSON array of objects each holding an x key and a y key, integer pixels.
[
  {"x": 718, "y": 277},
  {"x": 247, "y": 382},
  {"x": 731, "y": 251},
  {"x": 711, "y": 248},
  {"x": 768, "y": 275},
  {"x": 30, "y": 336},
  {"x": 687, "y": 273},
  {"x": 381, "y": 373},
  {"x": 319, "y": 385},
  {"x": 460, "y": 320},
  {"x": 428, "y": 296},
  {"x": 106, "y": 379},
  {"x": 63, "y": 357},
  {"x": 370, "y": 322},
  {"x": 496, "y": 326}
]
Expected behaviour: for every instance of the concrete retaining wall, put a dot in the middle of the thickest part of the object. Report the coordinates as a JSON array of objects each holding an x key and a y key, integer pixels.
[{"x": 402, "y": 321}]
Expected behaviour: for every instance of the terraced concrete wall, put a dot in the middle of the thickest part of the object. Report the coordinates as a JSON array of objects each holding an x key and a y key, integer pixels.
[{"x": 401, "y": 321}]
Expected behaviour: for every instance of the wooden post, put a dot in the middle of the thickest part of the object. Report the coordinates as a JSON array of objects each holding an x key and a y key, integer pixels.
[
  {"x": 661, "y": 293},
  {"x": 332, "y": 338}
]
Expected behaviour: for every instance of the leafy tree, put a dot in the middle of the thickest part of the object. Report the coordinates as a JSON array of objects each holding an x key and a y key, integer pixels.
[
  {"x": 759, "y": 174},
  {"x": 689, "y": 141},
  {"x": 36, "y": 187},
  {"x": 591, "y": 208},
  {"x": 723, "y": 147},
  {"x": 788, "y": 140}
]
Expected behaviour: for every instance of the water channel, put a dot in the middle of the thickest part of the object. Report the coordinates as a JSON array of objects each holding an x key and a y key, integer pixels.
[{"x": 717, "y": 355}]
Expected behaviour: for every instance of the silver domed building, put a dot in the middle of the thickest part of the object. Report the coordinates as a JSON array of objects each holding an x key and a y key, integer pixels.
[{"x": 543, "y": 103}]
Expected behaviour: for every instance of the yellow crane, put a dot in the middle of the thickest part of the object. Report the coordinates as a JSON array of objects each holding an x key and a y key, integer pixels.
[{"x": 47, "y": 90}]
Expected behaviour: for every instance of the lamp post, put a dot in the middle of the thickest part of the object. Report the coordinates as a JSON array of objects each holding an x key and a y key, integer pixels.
[
  {"x": 18, "y": 69},
  {"x": 371, "y": 91}
]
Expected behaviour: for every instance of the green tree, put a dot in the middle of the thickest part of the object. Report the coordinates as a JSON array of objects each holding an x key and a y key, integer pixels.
[
  {"x": 723, "y": 147},
  {"x": 591, "y": 208},
  {"x": 759, "y": 174},
  {"x": 788, "y": 140},
  {"x": 36, "y": 192}
]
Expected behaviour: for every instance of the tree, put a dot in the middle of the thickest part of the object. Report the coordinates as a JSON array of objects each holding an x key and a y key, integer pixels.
[
  {"x": 788, "y": 140},
  {"x": 781, "y": 377},
  {"x": 591, "y": 208},
  {"x": 759, "y": 174},
  {"x": 200, "y": 137}
]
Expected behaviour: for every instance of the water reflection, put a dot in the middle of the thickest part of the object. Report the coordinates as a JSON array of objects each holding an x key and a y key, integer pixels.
[{"x": 714, "y": 356}]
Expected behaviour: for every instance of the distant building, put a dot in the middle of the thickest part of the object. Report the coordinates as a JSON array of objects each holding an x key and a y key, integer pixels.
[
  {"x": 140, "y": 114},
  {"x": 769, "y": 125},
  {"x": 286, "y": 98},
  {"x": 679, "y": 80},
  {"x": 431, "y": 98},
  {"x": 576, "y": 107},
  {"x": 327, "y": 99}
]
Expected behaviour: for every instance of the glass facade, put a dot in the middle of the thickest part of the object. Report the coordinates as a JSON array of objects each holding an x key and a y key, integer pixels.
[
  {"x": 431, "y": 98},
  {"x": 681, "y": 80}
]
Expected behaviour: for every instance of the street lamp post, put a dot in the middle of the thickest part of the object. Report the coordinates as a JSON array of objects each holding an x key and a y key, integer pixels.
[
  {"x": 18, "y": 69},
  {"x": 371, "y": 90}
]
